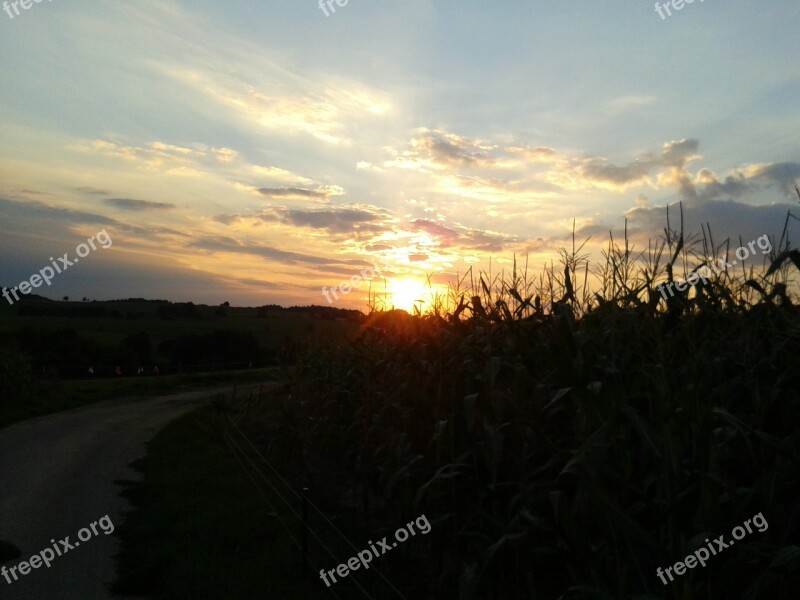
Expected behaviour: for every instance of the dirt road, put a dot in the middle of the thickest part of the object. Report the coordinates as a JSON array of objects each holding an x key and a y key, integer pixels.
[{"x": 57, "y": 476}]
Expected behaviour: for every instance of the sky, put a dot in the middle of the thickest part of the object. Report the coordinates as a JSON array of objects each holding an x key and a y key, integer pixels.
[{"x": 258, "y": 152}]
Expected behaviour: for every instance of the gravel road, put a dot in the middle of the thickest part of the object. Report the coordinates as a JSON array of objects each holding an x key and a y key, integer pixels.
[{"x": 57, "y": 476}]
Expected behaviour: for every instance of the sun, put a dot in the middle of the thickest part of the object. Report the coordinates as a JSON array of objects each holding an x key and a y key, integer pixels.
[{"x": 407, "y": 293}]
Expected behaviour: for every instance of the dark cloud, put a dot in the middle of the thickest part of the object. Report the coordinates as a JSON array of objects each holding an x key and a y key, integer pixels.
[
  {"x": 707, "y": 187},
  {"x": 227, "y": 219},
  {"x": 449, "y": 149},
  {"x": 229, "y": 244},
  {"x": 34, "y": 192},
  {"x": 294, "y": 193},
  {"x": 91, "y": 190},
  {"x": 469, "y": 239},
  {"x": 785, "y": 175},
  {"x": 672, "y": 170},
  {"x": 733, "y": 186},
  {"x": 33, "y": 209},
  {"x": 675, "y": 155},
  {"x": 679, "y": 153},
  {"x": 41, "y": 212},
  {"x": 130, "y": 205},
  {"x": 314, "y": 219},
  {"x": 334, "y": 220},
  {"x": 599, "y": 172},
  {"x": 232, "y": 245},
  {"x": 728, "y": 219},
  {"x": 447, "y": 237},
  {"x": 452, "y": 149},
  {"x": 485, "y": 242}
]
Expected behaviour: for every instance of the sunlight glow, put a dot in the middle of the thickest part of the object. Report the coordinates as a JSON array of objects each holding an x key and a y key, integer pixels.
[{"x": 408, "y": 293}]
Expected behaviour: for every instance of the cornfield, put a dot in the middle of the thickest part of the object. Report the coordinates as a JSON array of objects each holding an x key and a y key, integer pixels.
[{"x": 565, "y": 440}]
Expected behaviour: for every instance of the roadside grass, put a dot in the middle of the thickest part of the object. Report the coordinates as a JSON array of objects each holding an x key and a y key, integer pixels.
[
  {"x": 8, "y": 551},
  {"x": 199, "y": 528},
  {"x": 47, "y": 397}
]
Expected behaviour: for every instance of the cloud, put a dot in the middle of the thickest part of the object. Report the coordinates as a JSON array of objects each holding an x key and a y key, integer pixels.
[
  {"x": 35, "y": 210},
  {"x": 675, "y": 155},
  {"x": 228, "y": 219},
  {"x": 624, "y": 104},
  {"x": 324, "y": 107},
  {"x": 728, "y": 219},
  {"x": 537, "y": 154},
  {"x": 232, "y": 245},
  {"x": 130, "y": 205},
  {"x": 461, "y": 237},
  {"x": 338, "y": 220},
  {"x": 322, "y": 193},
  {"x": 91, "y": 190},
  {"x": 55, "y": 217},
  {"x": 706, "y": 185},
  {"x": 227, "y": 244},
  {"x": 679, "y": 153},
  {"x": 365, "y": 165},
  {"x": 445, "y": 235},
  {"x": 435, "y": 150},
  {"x": 529, "y": 176},
  {"x": 785, "y": 175},
  {"x": 599, "y": 173},
  {"x": 160, "y": 155},
  {"x": 281, "y": 176},
  {"x": 449, "y": 149}
]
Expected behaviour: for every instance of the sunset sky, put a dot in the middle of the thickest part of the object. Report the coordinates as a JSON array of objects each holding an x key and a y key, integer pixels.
[{"x": 254, "y": 152}]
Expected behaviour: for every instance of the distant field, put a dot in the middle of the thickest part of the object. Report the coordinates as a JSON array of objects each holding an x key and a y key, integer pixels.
[
  {"x": 58, "y": 355},
  {"x": 50, "y": 397},
  {"x": 128, "y": 317}
]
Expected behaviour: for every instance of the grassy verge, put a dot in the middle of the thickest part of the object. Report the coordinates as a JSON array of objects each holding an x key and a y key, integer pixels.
[
  {"x": 51, "y": 397},
  {"x": 8, "y": 551},
  {"x": 199, "y": 528}
]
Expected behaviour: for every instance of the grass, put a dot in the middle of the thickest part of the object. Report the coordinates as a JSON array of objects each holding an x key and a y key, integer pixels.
[
  {"x": 8, "y": 551},
  {"x": 200, "y": 528}
]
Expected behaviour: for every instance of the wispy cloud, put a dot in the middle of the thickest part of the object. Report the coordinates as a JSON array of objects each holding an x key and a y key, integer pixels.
[
  {"x": 131, "y": 205},
  {"x": 322, "y": 193}
]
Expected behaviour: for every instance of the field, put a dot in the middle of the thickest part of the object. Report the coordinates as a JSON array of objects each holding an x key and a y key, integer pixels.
[
  {"x": 562, "y": 441},
  {"x": 562, "y": 444},
  {"x": 48, "y": 348},
  {"x": 572, "y": 456}
]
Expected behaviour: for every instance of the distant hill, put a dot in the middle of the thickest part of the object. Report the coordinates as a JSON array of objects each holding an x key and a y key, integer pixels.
[{"x": 78, "y": 339}]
